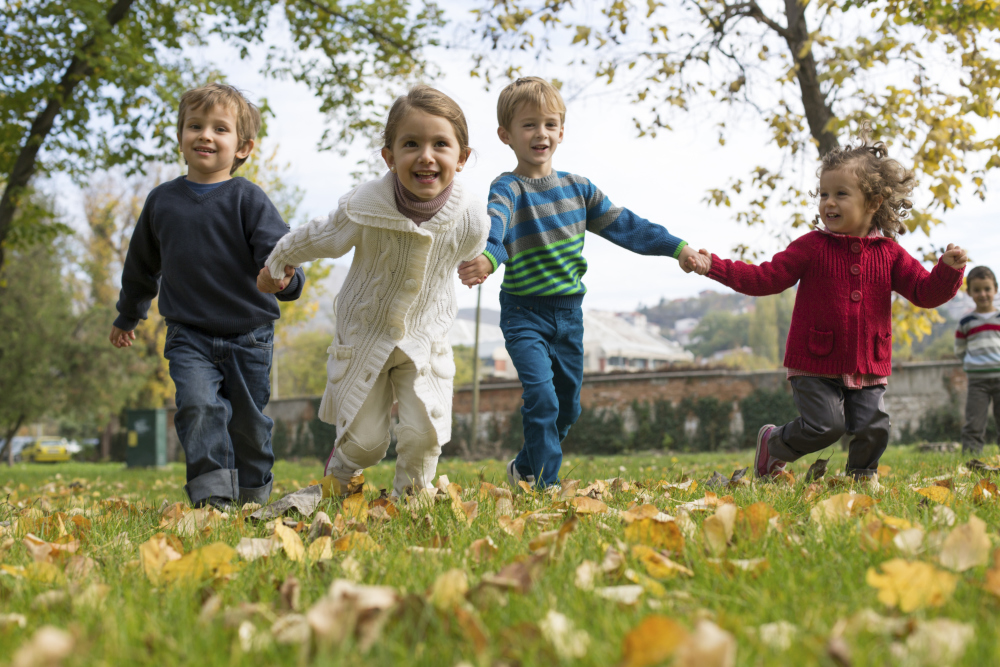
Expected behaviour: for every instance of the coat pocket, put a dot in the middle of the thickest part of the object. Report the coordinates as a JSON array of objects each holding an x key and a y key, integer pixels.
[
  {"x": 338, "y": 362},
  {"x": 442, "y": 361},
  {"x": 883, "y": 347},
  {"x": 820, "y": 342}
]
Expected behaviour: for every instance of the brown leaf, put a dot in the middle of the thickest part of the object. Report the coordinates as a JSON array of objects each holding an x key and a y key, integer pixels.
[
  {"x": 355, "y": 508},
  {"x": 350, "y": 609},
  {"x": 647, "y": 511},
  {"x": 911, "y": 585},
  {"x": 482, "y": 550},
  {"x": 472, "y": 628},
  {"x": 734, "y": 566},
  {"x": 966, "y": 546},
  {"x": 878, "y": 536},
  {"x": 709, "y": 501},
  {"x": 816, "y": 470},
  {"x": 48, "y": 646},
  {"x": 708, "y": 646},
  {"x": 985, "y": 491},
  {"x": 657, "y": 534},
  {"x": 840, "y": 507},
  {"x": 752, "y": 522},
  {"x": 585, "y": 505},
  {"x": 519, "y": 576},
  {"x": 513, "y": 527},
  {"x": 993, "y": 575},
  {"x": 718, "y": 529},
  {"x": 290, "y": 594},
  {"x": 386, "y": 505},
  {"x": 555, "y": 539},
  {"x": 652, "y": 642},
  {"x": 49, "y": 552}
]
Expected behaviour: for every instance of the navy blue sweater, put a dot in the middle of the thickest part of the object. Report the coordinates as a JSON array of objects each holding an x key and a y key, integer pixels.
[{"x": 202, "y": 254}]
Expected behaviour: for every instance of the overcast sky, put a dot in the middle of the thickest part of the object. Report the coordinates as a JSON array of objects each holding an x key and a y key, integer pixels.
[{"x": 663, "y": 179}]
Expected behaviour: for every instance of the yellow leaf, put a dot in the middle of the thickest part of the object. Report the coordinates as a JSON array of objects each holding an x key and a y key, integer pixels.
[
  {"x": 209, "y": 562},
  {"x": 753, "y": 521},
  {"x": 355, "y": 541},
  {"x": 657, "y": 534},
  {"x": 657, "y": 565},
  {"x": 355, "y": 508},
  {"x": 320, "y": 549},
  {"x": 290, "y": 541},
  {"x": 984, "y": 491},
  {"x": 840, "y": 507},
  {"x": 156, "y": 552},
  {"x": 911, "y": 585},
  {"x": 449, "y": 589},
  {"x": 511, "y": 526},
  {"x": 652, "y": 642},
  {"x": 718, "y": 529},
  {"x": 938, "y": 494}
]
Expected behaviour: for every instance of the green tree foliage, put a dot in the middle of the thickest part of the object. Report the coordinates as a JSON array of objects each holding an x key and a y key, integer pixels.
[
  {"x": 302, "y": 368},
  {"x": 90, "y": 84},
  {"x": 719, "y": 331},
  {"x": 463, "y": 365},
  {"x": 926, "y": 73}
]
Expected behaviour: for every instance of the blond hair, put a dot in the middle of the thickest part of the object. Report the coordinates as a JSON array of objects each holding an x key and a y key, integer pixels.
[
  {"x": 431, "y": 101},
  {"x": 213, "y": 94},
  {"x": 532, "y": 90}
]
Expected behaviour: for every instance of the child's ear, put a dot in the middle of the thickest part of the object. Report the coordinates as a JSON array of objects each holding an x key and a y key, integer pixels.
[
  {"x": 244, "y": 151},
  {"x": 464, "y": 158},
  {"x": 390, "y": 161},
  {"x": 874, "y": 206},
  {"x": 503, "y": 134}
]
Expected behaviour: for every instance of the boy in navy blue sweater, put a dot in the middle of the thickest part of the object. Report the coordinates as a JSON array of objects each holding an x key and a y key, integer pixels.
[{"x": 201, "y": 242}]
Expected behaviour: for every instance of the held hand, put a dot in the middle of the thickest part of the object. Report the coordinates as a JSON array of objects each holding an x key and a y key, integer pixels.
[
  {"x": 955, "y": 256},
  {"x": 268, "y": 285},
  {"x": 698, "y": 261},
  {"x": 476, "y": 271},
  {"x": 121, "y": 338}
]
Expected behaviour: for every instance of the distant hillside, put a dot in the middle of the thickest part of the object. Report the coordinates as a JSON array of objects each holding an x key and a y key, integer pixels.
[{"x": 666, "y": 313}]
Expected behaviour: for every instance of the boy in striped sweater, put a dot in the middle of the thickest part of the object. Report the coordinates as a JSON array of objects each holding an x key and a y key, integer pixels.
[
  {"x": 538, "y": 221},
  {"x": 977, "y": 344}
]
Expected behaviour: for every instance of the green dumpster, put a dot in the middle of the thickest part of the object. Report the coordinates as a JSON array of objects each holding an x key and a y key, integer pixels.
[{"x": 147, "y": 438}]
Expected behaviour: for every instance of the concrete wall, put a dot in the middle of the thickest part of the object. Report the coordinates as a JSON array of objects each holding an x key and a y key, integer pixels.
[{"x": 914, "y": 389}]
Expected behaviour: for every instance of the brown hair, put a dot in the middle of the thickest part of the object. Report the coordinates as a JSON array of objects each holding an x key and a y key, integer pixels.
[
  {"x": 531, "y": 90},
  {"x": 431, "y": 101},
  {"x": 981, "y": 273},
  {"x": 880, "y": 179},
  {"x": 215, "y": 93}
]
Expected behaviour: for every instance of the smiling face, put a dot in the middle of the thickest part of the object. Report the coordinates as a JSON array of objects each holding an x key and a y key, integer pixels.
[
  {"x": 534, "y": 134},
  {"x": 983, "y": 291},
  {"x": 210, "y": 143},
  {"x": 425, "y": 154},
  {"x": 842, "y": 205}
]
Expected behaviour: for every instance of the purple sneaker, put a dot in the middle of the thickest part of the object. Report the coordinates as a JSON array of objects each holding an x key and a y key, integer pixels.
[{"x": 765, "y": 465}]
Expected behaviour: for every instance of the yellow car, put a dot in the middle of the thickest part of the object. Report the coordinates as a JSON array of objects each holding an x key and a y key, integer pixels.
[{"x": 49, "y": 449}]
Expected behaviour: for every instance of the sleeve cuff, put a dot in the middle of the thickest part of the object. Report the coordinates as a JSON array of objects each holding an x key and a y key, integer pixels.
[
  {"x": 718, "y": 270},
  {"x": 680, "y": 246},
  {"x": 125, "y": 323},
  {"x": 493, "y": 260}
]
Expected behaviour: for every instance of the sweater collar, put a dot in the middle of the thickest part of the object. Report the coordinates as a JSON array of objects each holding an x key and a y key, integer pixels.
[
  {"x": 415, "y": 209},
  {"x": 373, "y": 204}
]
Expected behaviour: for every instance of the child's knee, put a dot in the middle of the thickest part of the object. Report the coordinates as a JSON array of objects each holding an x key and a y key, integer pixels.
[
  {"x": 411, "y": 440},
  {"x": 362, "y": 454}
]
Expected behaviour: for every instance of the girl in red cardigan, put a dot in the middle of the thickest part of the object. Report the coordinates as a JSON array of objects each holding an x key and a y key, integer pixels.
[{"x": 839, "y": 349}]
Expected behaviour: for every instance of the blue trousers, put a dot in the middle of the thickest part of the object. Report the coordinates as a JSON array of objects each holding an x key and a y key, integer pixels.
[
  {"x": 223, "y": 383},
  {"x": 546, "y": 345}
]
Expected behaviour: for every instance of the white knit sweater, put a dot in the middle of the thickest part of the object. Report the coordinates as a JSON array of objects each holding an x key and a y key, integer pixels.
[{"x": 399, "y": 292}]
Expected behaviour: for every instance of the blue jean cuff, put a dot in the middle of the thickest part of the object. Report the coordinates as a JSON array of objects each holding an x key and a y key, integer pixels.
[
  {"x": 259, "y": 495},
  {"x": 861, "y": 473},
  {"x": 218, "y": 483}
]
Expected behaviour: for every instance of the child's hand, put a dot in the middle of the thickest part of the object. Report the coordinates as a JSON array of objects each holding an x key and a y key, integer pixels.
[
  {"x": 700, "y": 262},
  {"x": 955, "y": 256},
  {"x": 268, "y": 285},
  {"x": 121, "y": 338},
  {"x": 476, "y": 271}
]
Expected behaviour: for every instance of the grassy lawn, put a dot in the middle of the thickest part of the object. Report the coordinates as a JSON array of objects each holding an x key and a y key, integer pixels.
[{"x": 813, "y": 575}]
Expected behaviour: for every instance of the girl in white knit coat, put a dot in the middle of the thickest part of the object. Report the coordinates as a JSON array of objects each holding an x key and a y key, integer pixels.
[{"x": 409, "y": 230}]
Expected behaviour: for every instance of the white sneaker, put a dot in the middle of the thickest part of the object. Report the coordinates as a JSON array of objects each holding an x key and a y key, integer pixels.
[{"x": 513, "y": 476}]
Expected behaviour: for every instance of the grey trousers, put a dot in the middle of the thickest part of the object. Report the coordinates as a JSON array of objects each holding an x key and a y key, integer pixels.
[
  {"x": 977, "y": 411},
  {"x": 828, "y": 410}
]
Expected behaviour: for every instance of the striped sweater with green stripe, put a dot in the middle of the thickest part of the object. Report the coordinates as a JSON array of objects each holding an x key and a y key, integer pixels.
[{"x": 537, "y": 230}]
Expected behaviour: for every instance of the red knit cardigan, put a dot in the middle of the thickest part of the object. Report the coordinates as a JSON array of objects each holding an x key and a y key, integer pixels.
[{"x": 842, "y": 321}]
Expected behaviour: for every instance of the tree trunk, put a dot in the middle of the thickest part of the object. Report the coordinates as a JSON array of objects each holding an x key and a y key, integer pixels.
[
  {"x": 24, "y": 168},
  {"x": 9, "y": 440},
  {"x": 818, "y": 112}
]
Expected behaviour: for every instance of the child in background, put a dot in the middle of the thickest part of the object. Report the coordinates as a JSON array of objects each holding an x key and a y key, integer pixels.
[
  {"x": 977, "y": 344},
  {"x": 539, "y": 220},
  {"x": 839, "y": 349},
  {"x": 200, "y": 242},
  {"x": 409, "y": 230}
]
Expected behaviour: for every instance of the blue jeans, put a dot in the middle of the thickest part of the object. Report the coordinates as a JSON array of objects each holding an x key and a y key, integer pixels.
[
  {"x": 546, "y": 345},
  {"x": 223, "y": 383}
]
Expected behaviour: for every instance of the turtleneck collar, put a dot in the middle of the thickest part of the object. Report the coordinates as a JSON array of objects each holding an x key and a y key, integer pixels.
[{"x": 416, "y": 210}]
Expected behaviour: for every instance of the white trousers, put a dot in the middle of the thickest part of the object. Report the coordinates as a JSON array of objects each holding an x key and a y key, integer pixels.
[{"x": 367, "y": 438}]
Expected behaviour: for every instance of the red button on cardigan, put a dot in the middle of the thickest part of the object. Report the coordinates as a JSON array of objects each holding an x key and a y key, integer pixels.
[
  {"x": 855, "y": 295},
  {"x": 855, "y": 247},
  {"x": 856, "y": 269}
]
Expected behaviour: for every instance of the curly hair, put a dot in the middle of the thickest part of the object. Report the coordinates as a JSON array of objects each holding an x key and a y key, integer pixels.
[{"x": 882, "y": 180}]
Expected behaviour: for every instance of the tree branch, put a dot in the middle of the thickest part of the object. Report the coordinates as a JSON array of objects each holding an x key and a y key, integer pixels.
[
  {"x": 27, "y": 160},
  {"x": 377, "y": 35}
]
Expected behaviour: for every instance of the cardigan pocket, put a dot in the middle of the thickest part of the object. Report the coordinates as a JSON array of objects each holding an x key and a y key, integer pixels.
[
  {"x": 338, "y": 362},
  {"x": 820, "y": 342},
  {"x": 883, "y": 347},
  {"x": 442, "y": 361}
]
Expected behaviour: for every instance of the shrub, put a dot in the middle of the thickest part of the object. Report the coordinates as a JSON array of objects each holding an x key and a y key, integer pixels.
[{"x": 765, "y": 407}]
